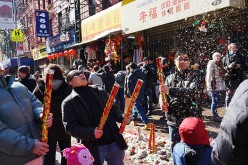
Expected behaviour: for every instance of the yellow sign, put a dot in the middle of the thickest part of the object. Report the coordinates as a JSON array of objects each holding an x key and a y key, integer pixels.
[
  {"x": 39, "y": 53},
  {"x": 17, "y": 35},
  {"x": 109, "y": 19}
]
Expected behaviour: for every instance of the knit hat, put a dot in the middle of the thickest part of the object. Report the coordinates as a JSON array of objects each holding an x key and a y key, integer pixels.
[
  {"x": 24, "y": 69},
  {"x": 215, "y": 54},
  {"x": 192, "y": 132}
]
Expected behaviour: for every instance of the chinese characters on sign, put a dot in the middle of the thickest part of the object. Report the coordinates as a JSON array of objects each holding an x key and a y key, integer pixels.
[
  {"x": 42, "y": 23},
  {"x": 110, "y": 19},
  {"x": 166, "y": 8}
]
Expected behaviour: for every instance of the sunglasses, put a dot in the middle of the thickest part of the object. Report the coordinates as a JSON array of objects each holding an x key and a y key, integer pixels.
[
  {"x": 76, "y": 74},
  {"x": 183, "y": 59}
]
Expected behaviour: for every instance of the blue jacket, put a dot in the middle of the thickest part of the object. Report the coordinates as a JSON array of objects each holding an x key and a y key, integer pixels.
[
  {"x": 184, "y": 154},
  {"x": 19, "y": 118}
]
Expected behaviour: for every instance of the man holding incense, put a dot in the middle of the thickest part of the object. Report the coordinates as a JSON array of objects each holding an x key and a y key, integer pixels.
[{"x": 82, "y": 111}]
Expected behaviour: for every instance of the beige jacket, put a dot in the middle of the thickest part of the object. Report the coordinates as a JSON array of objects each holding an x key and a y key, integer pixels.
[{"x": 213, "y": 73}]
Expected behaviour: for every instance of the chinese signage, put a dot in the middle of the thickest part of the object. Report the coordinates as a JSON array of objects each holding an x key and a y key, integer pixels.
[
  {"x": 42, "y": 23},
  {"x": 39, "y": 52},
  {"x": 17, "y": 36},
  {"x": 144, "y": 14},
  {"x": 6, "y": 14},
  {"x": 60, "y": 41},
  {"x": 109, "y": 19}
]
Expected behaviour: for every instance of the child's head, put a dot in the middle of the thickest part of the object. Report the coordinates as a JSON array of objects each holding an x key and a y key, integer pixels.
[{"x": 192, "y": 132}]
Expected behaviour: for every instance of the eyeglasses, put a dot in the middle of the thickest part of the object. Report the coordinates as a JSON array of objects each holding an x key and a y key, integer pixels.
[
  {"x": 76, "y": 74},
  {"x": 183, "y": 59}
]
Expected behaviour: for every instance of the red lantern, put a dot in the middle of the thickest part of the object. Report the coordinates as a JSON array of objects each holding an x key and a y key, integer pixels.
[
  {"x": 72, "y": 52},
  {"x": 61, "y": 54},
  {"x": 66, "y": 52},
  {"x": 56, "y": 55},
  {"x": 49, "y": 57}
]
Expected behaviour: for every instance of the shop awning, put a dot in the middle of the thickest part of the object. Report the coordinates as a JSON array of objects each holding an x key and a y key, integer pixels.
[
  {"x": 11, "y": 62},
  {"x": 102, "y": 24},
  {"x": 102, "y": 35}
]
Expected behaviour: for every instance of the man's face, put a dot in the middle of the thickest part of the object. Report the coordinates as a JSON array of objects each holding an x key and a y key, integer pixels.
[
  {"x": 233, "y": 48},
  {"x": 78, "y": 79},
  {"x": 182, "y": 62},
  {"x": 21, "y": 75}
]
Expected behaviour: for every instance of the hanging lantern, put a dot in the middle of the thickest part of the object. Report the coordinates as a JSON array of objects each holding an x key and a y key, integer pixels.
[
  {"x": 56, "y": 55},
  {"x": 66, "y": 52},
  {"x": 61, "y": 54},
  {"x": 49, "y": 57},
  {"x": 72, "y": 52}
]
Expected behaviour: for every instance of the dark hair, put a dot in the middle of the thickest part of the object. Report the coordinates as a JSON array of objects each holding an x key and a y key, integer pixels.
[
  {"x": 106, "y": 68},
  {"x": 179, "y": 53},
  {"x": 24, "y": 69},
  {"x": 95, "y": 68},
  {"x": 58, "y": 72},
  {"x": 132, "y": 65}
]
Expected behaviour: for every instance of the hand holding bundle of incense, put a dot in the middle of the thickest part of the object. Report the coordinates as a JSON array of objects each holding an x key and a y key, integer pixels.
[{"x": 108, "y": 106}]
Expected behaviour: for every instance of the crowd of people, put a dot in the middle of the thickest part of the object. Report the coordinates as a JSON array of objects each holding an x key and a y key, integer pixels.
[{"x": 79, "y": 97}]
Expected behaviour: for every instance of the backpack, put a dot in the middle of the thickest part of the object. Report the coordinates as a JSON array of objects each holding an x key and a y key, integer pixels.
[{"x": 184, "y": 154}]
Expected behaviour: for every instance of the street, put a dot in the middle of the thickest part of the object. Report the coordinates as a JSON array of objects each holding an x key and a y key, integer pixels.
[{"x": 161, "y": 132}]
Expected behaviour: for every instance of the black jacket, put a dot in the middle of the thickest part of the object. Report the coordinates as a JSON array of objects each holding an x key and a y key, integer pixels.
[
  {"x": 130, "y": 83},
  {"x": 183, "y": 96},
  {"x": 233, "y": 76},
  {"x": 231, "y": 145},
  {"x": 79, "y": 123},
  {"x": 150, "y": 76},
  {"x": 56, "y": 131},
  {"x": 29, "y": 82}
]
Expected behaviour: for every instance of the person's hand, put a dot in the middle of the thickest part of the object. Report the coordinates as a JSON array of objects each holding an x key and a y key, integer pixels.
[
  {"x": 40, "y": 148},
  {"x": 49, "y": 121},
  {"x": 98, "y": 133},
  {"x": 231, "y": 65},
  {"x": 237, "y": 66},
  {"x": 164, "y": 89},
  {"x": 126, "y": 120}
]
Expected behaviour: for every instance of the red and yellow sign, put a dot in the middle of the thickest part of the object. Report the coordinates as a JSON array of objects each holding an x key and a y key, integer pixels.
[{"x": 97, "y": 25}]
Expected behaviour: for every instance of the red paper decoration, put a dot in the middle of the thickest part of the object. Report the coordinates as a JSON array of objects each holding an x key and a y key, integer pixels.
[{"x": 72, "y": 52}]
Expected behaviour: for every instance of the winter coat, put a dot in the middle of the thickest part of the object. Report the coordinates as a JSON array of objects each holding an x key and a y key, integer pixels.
[
  {"x": 183, "y": 96},
  {"x": 29, "y": 82},
  {"x": 19, "y": 118},
  {"x": 231, "y": 145},
  {"x": 130, "y": 83},
  {"x": 108, "y": 80},
  {"x": 56, "y": 131},
  {"x": 184, "y": 154},
  {"x": 233, "y": 76},
  {"x": 150, "y": 75},
  {"x": 120, "y": 78},
  {"x": 214, "y": 81},
  {"x": 79, "y": 123}
]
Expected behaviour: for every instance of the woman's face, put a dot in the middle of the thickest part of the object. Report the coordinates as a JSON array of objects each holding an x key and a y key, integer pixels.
[
  {"x": 217, "y": 57},
  {"x": 182, "y": 62}
]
